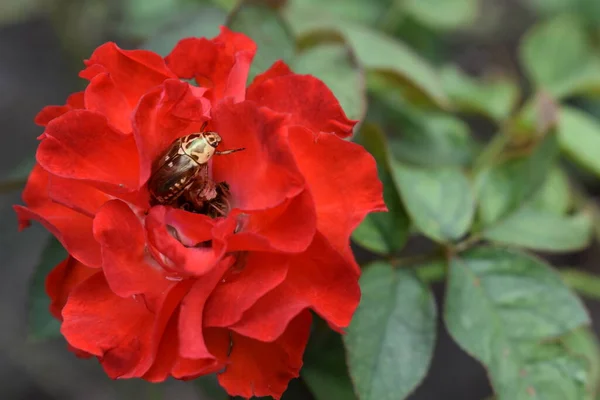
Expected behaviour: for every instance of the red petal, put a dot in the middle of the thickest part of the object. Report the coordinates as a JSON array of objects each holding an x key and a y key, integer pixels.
[
  {"x": 288, "y": 227},
  {"x": 116, "y": 329},
  {"x": 190, "y": 255},
  {"x": 167, "y": 353},
  {"x": 320, "y": 279},
  {"x": 128, "y": 267},
  {"x": 62, "y": 280},
  {"x": 164, "y": 338},
  {"x": 265, "y": 173},
  {"x": 343, "y": 180},
  {"x": 82, "y": 145},
  {"x": 221, "y": 64},
  {"x": 79, "y": 353},
  {"x": 194, "y": 57},
  {"x": 265, "y": 369},
  {"x": 192, "y": 344},
  {"x": 77, "y": 195},
  {"x": 191, "y": 228},
  {"x": 48, "y": 113},
  {"x": 35, "y": 193},
  {"x": 103, "y": 96},
  {"x": 165, "y": 114},
  {"x": 218, "y": 343},
  {"x": 134, "y": 72},
  {"x": 76, "y": 100},
  {"x": 261, "y": 272},
  {"x": 307, "y": 100},
  {"x": 72, "y": 229},
  {"x": 279, "y": 68}
]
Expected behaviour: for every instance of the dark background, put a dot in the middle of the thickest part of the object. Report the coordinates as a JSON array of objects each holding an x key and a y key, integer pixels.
[{"x": 38, "y": 66}]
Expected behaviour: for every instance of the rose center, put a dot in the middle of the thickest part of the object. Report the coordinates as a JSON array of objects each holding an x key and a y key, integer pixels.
[{"x": 213, "y": 200}]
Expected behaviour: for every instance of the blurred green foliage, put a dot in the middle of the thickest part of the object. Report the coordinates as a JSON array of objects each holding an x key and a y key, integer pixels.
[{"x": 491, "y": 152}]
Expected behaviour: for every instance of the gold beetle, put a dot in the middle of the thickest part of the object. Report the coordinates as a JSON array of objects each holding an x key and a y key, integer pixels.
[{"x": 185, "y": 163}]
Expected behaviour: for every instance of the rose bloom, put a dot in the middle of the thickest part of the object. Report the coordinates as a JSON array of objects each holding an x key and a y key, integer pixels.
[{"x": 158, "y": 290}]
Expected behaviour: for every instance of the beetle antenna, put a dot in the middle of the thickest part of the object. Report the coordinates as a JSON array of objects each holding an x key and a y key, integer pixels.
[
  {"x": 222, "y": 153},
  {"x": 203, "y": 126}
]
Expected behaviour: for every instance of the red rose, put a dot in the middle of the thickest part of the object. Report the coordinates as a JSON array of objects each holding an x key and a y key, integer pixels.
[{"x": 154, "y": 290}]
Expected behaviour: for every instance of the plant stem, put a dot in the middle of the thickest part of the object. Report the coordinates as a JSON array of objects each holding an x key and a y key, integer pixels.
[
  {"x": 430, "y": 267},
  {"x": 466, "y": 244},
  {"x": 433, "y": 272},
  {"x": 408, "y": 261},
  {"x": 12, "y": 185},
  {"x": 582, "y": 282}
]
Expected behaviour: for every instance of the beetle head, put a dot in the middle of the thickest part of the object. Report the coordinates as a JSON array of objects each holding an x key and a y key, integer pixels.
[{"x": 213, "y": 138}]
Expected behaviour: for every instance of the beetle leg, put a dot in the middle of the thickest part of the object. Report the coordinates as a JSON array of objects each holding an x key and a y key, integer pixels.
[
  {"x": 203, "y": 126},
  {"x": 222, "y": 153},
  {"x": 186, "y": 206},
  {"x": 220, "y": 206}
]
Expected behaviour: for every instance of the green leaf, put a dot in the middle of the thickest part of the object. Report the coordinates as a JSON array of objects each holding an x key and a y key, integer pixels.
[
  {"x": 383, "y": 233},
  {"x": 439, "y": 200},
  {"x": 551, "y": 372},
  {"x": 378, "y": 52},
  {"x": 141, "y": 18},
  {"x": 588, "y": 10},
  {"x": 538, "y": 230},
  {"x": 433, "y": 139},
  {"x": 269, "y": 31},
  {"x": 502, "y": 188},
  {"x": 42, "y": 325},
  {"x": 374, "y": 50},
  {"x": 557, "y": 56},
  {"x": 335, "y": 65},
  {"x": 579, "y": 137},
  {"x": 324, "y": 369},
  {"x": 13, "y": 11},
  {"x": 500, "y": 306},
  {"x": 200, "y": 23},
  {"x": 416, "y": 35},
  {"x": 443, "y": 14},
  {"x": 367, "y": 12},
  {"x": 391, "y": 338},
  {"x": 555, "y": 194},
  {"x": 584, "y": 343},
  {"x": 226, "y": 5},
  {"x": 425, "y": 138},
  {"x": 552, "y": 6},
  {"x": 495, "y": 99}
]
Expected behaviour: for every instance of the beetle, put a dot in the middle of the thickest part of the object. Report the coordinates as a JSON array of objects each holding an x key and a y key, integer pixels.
[{"x": 185, "y": 163}]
